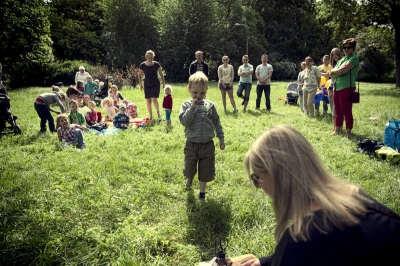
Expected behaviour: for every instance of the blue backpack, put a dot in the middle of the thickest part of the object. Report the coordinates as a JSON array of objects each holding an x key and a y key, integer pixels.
[{"x": 391, "y": 138}]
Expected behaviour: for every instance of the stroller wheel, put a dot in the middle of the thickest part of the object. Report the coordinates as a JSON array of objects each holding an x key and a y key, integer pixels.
[{"x": 17, "y": 130}]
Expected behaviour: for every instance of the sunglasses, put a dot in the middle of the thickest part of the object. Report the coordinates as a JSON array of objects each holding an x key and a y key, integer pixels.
[
  {"x": 255, "y": 179},
  {"x": 347, "y": 47}
]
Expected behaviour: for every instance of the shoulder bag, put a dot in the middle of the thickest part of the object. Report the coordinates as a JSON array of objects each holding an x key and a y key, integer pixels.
[{"x": 355, "y": 95}]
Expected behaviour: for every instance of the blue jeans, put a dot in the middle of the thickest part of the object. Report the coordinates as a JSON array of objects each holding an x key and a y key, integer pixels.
[
  {"x": 324, "y": 106},
  {"x": 267, "y": 90},
  {"x": 78, "y": 141},
  {"x": 43, "y": 111},
  {"x": 246, "y": 87},
  {"x": 301, "y": 100}
]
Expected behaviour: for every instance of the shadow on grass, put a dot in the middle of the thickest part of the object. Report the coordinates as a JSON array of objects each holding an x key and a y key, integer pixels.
[{"x": 209, "y": 224}]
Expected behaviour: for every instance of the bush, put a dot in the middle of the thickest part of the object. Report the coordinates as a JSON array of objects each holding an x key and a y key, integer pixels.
[
  {"x": 128, "y": 76},
  {"x": 284, "y": 70},
  {"x": 64, "y": 71}
]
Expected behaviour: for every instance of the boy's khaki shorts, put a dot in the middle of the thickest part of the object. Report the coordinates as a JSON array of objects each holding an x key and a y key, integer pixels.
[{"x": 203, "y": 155}]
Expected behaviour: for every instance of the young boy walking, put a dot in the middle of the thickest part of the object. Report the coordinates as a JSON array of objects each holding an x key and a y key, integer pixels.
[{"x": 201, "y": 119}]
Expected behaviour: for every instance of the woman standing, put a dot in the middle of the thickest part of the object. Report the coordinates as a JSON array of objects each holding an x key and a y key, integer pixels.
[
  {"x": 81, "y": 75},
  {"x": 335, "y": 56},
  {"x": 300, "y": 83},
  {"x": 344, "y": 74},
  {"x": 150, "y": 69},
  {"x": 225, "y": 82},
  {"x": 312, "y": 78}
]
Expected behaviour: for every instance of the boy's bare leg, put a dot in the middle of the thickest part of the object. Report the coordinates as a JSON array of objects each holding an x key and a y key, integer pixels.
[{"x": 203, "y": 186}]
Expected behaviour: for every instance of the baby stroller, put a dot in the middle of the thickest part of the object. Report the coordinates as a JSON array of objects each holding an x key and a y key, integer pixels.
[
  {"x": 292, "y": 95},
  {"x": 6, "y": 116},
  {"x": 102, "y": 92}
]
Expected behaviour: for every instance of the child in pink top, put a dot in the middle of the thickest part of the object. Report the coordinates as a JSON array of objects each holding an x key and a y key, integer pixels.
[{"x": 111, "y": 110}]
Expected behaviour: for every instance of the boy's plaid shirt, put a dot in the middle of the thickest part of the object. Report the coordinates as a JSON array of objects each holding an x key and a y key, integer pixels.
[{"x": 68, "y": 134}]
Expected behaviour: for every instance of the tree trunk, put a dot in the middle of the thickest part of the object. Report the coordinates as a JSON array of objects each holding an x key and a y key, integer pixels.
[{"x": 396, "y": 24}]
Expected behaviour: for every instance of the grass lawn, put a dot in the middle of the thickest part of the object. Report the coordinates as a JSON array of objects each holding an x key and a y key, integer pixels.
[{"x": 122, "y": 200}]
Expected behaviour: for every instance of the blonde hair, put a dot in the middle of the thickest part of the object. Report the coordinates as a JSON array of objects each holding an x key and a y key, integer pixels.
[
  {"x": 105, "y": 100},
  {"x": 198, "y": 77},
  {"x": 63, "y": 115},
  {"x": 92, "y": 102},
  {"x": 198, "y": 52},
  {"x": 55, "y": 88},
  {"x": 168, "y": 88},
  {"x": 300, "y": 181},
  {"x": 338, "y": 53},
  {"x": 150, "y": 52}
]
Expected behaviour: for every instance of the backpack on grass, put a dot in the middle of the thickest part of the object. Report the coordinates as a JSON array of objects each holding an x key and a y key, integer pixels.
[{"x": 391, "y": 137}]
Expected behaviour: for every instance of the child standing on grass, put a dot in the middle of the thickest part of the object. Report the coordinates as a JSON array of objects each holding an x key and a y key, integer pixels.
[
  {"x": 121, "y": 120},
  {"x": 71, "y": 133},
  {"x": 167, "y": 104},
  {"x": 43, "y": 109},
  {"x": 76, "y": 117},
  {"x": 201, "y": 119},
  {"x": 90, "y": 87}
]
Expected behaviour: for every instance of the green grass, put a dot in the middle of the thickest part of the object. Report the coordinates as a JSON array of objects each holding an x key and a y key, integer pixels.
[{"x": 122, "y": 202}]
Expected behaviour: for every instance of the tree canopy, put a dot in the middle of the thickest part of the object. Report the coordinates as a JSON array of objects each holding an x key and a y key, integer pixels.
[{"x": 117, "y": 33}]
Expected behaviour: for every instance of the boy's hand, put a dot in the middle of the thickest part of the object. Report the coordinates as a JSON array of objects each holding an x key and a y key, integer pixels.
[
  {"x": 222, "y": 145},
  {"x": 194, "y": 102}
]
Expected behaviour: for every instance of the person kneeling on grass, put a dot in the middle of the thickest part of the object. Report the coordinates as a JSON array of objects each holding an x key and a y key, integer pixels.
[
  {"x": 71, "y": 133},
  {"x": 321, "y": 220}
]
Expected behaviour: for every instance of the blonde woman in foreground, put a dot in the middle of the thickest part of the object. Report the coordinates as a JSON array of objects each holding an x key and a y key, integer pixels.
[{"x": 321, "y": 220}]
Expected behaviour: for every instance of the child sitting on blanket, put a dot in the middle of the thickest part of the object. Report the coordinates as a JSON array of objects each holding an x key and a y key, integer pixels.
[
  {"x": 91, "y": 117},
  {"x": 107, "y": 105},
  {"x": 115, "y": 95},
  {"x": 131, "y": 109},
  {"x": 121, "y": 120},
  {"x": 76, "y": 117},
  {"x": 71, "y": 133}
]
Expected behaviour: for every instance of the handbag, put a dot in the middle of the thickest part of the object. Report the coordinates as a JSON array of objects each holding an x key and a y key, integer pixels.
[{"x": 355, "y": 95}]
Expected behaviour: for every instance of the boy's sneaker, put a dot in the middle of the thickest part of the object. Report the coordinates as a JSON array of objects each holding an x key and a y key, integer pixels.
[{"x": 202, "y": 197}]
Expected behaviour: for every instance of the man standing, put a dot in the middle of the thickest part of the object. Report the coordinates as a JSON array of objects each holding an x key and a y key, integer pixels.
[
  {"x": 263, "y": 76},
  {"x": 198, "y": 64}
]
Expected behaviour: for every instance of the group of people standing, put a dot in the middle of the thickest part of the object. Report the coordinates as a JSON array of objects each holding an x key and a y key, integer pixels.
[
  {"x": 342, "y": 69},
  {"x": 263, "y": 73}
]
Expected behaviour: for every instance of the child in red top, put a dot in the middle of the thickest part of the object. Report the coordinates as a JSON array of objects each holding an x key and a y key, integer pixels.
[{"x": 167, "y": 104}]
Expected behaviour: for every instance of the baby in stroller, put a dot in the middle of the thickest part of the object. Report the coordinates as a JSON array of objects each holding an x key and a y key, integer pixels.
[
  {"x": 6, "y": 115},
  {"x": 292, "y": 95}
]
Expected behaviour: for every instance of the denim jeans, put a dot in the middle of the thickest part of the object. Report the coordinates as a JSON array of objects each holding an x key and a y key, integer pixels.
[
  {"x": 324, "y": 106},
  {"x": 43, "y": 111},
  {"x": 246, "y": 87},
  {"x": 301, "y": 100},
  {"x": 78, "y": 141},
  {"x": 267, "y": 90}
]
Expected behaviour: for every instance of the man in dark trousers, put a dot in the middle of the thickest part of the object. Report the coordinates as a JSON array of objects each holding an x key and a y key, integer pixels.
[{"x": 199, "y": 64}]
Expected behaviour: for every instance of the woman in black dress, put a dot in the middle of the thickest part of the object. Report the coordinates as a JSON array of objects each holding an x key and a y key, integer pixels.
[{"x": 150, "y": 69}]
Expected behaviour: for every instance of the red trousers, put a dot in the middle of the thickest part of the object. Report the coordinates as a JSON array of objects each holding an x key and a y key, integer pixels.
[{"x": 343, "y": 107}]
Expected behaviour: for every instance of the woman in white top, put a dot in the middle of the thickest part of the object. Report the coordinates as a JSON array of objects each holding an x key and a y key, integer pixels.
[
  {"x": 81, "y": 75},
  {"x": 225, "y": 82}
]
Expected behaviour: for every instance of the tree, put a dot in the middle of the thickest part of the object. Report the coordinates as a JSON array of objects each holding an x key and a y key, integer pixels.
[
  {"x": 129, "y": 31},
  {"x": 25, "y": 48},
  {"x": 76, "y": 29},
  {"x": 385, "y": 12}
]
